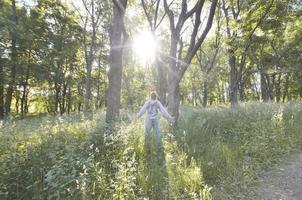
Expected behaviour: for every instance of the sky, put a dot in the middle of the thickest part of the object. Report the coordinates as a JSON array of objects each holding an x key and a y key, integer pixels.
[{"x": 28, "y": 3}]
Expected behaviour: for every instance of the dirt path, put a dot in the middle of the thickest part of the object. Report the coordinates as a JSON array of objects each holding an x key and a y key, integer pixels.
[{"x": 284, "y": 183}]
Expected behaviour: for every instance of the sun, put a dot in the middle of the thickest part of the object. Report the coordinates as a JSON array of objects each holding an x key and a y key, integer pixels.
[{"x": 144, "y": 47}]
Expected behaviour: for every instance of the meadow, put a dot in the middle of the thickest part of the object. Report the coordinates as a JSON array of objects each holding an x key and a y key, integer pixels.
[{"x": 214, "y": 153}]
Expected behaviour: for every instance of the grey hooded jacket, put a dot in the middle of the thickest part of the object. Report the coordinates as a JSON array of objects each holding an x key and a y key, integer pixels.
[{"x": 152, "y": 107}]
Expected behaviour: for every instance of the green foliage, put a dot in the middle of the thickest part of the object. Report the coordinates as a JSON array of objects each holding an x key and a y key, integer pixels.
[
  {"x": 50, "y": 62},
  {"x": 234, "y": 146},
  {"x": 71, "y": 157}
]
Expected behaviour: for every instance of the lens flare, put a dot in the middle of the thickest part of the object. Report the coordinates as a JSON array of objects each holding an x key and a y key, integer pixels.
[{"x": 144, "y": 46}]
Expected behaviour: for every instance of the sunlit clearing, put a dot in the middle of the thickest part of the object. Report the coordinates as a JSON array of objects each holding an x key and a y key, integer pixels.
[{"x": 144, "y": 47}]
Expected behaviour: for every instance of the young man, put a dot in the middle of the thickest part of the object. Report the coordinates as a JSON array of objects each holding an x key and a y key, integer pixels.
[{"x": 152, "y": 106}]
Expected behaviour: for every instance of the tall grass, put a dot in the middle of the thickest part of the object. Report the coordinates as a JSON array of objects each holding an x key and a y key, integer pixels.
[
  {"x": 232, "y": 146},
  {"x": 72, "y": 157}
]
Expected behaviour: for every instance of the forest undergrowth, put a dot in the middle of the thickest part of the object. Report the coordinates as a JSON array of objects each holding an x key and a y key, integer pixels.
[{"x": 214, "y": 153}]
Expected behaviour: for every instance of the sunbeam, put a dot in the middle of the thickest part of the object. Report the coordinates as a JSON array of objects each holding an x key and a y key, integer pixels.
[{"x": 144, "y": 47}]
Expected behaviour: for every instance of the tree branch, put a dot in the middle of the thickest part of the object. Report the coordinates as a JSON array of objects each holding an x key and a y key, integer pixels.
[
  {"x": 196, "y": 26},
  {"x": 147, "y": 14},
  {"x": 118, "y": 4},
  {"x": 156, "y": 14},
  {"x": 191, "y": 54},
  {"x": 194, "y": 9},
  {"x": 162, "y": 18},
  {"x": 170, "y": 15},
  {"x": 86, "y": 7},
  {"x": 250, "y": 37}
]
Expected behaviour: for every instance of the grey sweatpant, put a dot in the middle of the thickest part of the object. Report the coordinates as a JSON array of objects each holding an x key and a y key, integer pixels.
[{"x": 149, "y": 124}]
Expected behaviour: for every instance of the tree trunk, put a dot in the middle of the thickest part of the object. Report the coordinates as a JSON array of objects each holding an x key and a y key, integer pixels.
[
  {"x": 278, "y": 88},
  {"x": 241, "y": 89},
  {"x": 264, "y": 88},
  {"x": 161, "y": 75},
  {"x": 180, "y": 59},
  {"x": 285, "y": 94},
  {"x": 219, "y": 93},
  {"x": 222, "y": 92},
  {"x": 13, "y": 33},
  {"x": 205, "y": 94},
  {"x": 69, "y": 100},
  {"x": 1, "y": 88},
  {"x": 194, "y": 98},
  {"x": 173, "y": 86},
  {"x": 232, "y": 61},
  {"x": 257, "y": 93},
  {"x": 80, "y": 95},
  {"x": 173, "y": 97},
  {"x": 24, "y": 92},
  {"x": 89, "y": 56},
  {"x": 271, "y": 86},
  {"x": 117, "y": 40},
  {"x": 97, "y": 102},
  {"x": 89, "y": 61},
  {"x": 233, "y": 80},
  {"x": 88, "y": 87},
  {"x": 17, "y": 98},
  {"x": 300, "y": 88},
  {"x": 63, "y": 99},
  {"x": 57, "y": 97}
]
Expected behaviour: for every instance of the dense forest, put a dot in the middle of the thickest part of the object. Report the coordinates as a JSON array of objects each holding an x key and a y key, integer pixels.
[
  {"x": 73, "y": 74},
  {"x": 61, "y": 58}
]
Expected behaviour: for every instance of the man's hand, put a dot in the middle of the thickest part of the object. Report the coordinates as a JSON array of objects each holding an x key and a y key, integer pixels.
[
  {"x": 135, "y": 118},
  {"x": 172, "y": 120}
]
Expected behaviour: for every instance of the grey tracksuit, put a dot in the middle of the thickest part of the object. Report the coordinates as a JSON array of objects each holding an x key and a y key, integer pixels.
[{"x": 152, "y": 107}]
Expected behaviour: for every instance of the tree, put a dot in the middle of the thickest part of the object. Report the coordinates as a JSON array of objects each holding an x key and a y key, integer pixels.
[
  {"x": 180, "y": 59},
  {"x": 208, "y": 59},
  {"x": 118, "y": 38},
  {"x": 59, "y": 54},
  {"x": 1, "y": 84},
  {"x": 13, "y": 34},
  {"x": 152, "y": 12},
  {"x": 47, "y": 52},
  {"x": 4, "y": 35},
  {"x": 239, "y": 41},
  {"x": 92, "y": 21}
]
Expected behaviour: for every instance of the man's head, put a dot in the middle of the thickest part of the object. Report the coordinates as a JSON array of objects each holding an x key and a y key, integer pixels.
[{"x": 153, "y": 95}]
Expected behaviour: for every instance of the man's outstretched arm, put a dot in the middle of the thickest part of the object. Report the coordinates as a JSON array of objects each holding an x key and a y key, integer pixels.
[
  {"x": 164, "y": 112},
  {"x": 142, "y": 110}
]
